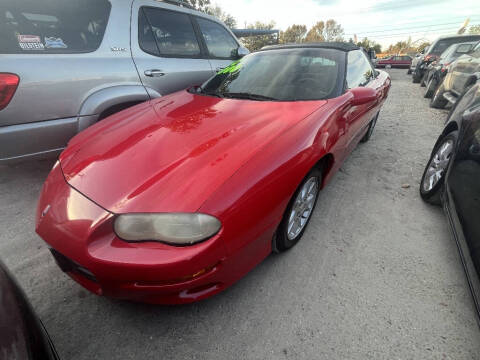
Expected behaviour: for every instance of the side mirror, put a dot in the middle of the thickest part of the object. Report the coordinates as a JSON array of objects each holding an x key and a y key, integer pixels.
[
  {"x": 362, "y": 95},
  {"x": 242, "y": 51}
]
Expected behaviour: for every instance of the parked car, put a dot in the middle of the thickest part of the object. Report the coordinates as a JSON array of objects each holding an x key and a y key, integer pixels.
[
  {"x": 462, "y": 74},
  {"x": 395, "y": 61},
  {"x": 190, "y": 191},
  {"x": 67, "y": 65},
  {"x": 452, "y": 178},
  {"x": 23, "y": 336},
  {"x": 438, "y": 69},
  {"x": 418, "y": 57},
  {"x": 435, "y": 50}
]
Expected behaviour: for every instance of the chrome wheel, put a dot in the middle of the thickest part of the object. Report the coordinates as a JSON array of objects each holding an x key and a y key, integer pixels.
[
  {"x": 302, "y": 208},
  {"x": 438, "y": 165}
]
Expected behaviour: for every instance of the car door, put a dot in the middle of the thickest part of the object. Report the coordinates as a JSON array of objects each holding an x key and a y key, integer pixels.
[
  {"x": 467, "y": 66},
  {"x": 360, "y": 74},
  {"x": 166, "y": 48},
  {"x": 220, "y": 44},
  {"x": 464, "y": 182}
]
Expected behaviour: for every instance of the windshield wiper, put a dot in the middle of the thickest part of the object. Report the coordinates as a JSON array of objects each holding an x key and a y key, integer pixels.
[{"x": 249, "y": 96}]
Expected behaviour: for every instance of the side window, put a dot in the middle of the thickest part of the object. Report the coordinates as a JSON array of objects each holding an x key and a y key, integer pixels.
[
  {"x": 359, "y": 70},
  {"x": 172, "y": 33},
  {"x": 220, "y": 43}
]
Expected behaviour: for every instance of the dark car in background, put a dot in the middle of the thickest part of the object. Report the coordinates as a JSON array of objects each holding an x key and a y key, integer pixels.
[
  {"x": 395, "y": 61},
  {"x": 462, "y": 75},
  {"x": 438, "y": 69},
  {"x": 435, "y": 50},
  {"x": 22, "y": 335},
  {"x": 452, "y": 178}
]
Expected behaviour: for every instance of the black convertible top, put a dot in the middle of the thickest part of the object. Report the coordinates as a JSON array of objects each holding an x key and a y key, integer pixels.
[{"x": 342, "y": 46}]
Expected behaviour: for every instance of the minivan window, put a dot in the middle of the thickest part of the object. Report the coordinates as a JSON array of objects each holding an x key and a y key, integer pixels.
[
  {"x": 219, "y": 42},
  {"x": 173, "y": 33},
  {"x": 359, "y": 70},
  {"x": 53, "y": 26}
]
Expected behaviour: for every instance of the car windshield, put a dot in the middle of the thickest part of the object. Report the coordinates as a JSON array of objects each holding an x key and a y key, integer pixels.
[
  {"x": 282, "y": 75},
  {"x": 443, "y": 44}
]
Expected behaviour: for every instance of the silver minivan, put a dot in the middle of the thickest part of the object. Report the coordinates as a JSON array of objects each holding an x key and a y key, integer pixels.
[{"x": 66, "y": 64}]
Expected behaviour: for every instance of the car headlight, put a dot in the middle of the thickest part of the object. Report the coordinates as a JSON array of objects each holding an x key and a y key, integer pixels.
[{"x": 172, "y": 228}]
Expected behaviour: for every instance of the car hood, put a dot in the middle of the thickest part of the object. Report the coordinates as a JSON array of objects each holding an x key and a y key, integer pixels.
[{"x": 172, "y": 153}]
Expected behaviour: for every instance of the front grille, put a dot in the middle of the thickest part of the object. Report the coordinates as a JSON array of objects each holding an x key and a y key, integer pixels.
[{"x": 70, "y": 266}]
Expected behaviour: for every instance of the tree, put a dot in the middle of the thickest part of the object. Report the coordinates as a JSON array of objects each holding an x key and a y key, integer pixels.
[
  {"x": 254, "y": 43},
  {"x": 422, "y": 46},
  {"x": 368, "y": 44},
  {"x": 217, "y": 11},
  {"x": 474, "y": 29},
  {"x": 329, "y": 31},
  {"x": 293, "y": 34},
  {"x": 201, "y": 5}
]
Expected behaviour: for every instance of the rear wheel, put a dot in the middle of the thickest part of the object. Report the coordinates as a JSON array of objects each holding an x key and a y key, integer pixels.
[
  {"x": 369, "y": 133},
  {"x": 299, "y": 211},
  {"x": 438, "y": 101},
  {"x": 409, "y": 71},
  {"x": 434, "y": 175}
]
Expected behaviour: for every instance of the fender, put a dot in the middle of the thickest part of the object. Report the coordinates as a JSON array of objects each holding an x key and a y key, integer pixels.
[{"x": 104, "y": 99}]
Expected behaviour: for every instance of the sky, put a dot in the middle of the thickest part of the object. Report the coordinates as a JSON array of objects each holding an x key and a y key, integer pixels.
[{"x": 385, "y": 21}]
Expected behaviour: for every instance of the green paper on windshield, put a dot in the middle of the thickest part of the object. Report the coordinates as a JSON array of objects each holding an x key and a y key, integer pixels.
[{"x": 233, "y": 67}]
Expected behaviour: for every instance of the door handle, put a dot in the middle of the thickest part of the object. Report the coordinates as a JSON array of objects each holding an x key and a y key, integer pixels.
[{"x": 154, "y": 73}]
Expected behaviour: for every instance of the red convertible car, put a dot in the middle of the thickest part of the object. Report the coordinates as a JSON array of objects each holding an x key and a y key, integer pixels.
[
  {"x": 396, "y": 61},
  {"x": 175, "y": 199}
]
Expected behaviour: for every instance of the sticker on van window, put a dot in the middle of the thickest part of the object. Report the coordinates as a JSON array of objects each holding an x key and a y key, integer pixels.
[
  {"x": 54, "y": 43},
  {"x": 233, "y": 67},
  {"x": 30, "y": 42}
]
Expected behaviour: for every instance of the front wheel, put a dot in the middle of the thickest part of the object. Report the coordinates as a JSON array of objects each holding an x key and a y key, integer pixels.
[
  {"x": 423, "y": 82},
  {"x": 434, "y": 175},
  {"x": 416, "y": 77},
  {"x": 299, "y": 211},
  {"x": 409, "y": 71},
  {"x": 431, "y": 87},
  {"x": 438, "y": 101}
]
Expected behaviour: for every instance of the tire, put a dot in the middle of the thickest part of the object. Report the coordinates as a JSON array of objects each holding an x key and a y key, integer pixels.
[
  {"x": 433, "y": 177},
  {"x": 416, "y": 78},
  {"x": 284, "y": 239},
  {"x": 409, "y": 71},
  {"x": 438, "y": 101},
  {"x": 431, "y": 87},
  {"x": 424, "y": 79},
  {"x": 371, "y": 126}
]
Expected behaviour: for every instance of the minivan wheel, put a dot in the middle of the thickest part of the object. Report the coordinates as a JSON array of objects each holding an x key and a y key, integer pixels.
[
  {"x": 434, "y": 175},
  {"x": 299, "y": 211}
]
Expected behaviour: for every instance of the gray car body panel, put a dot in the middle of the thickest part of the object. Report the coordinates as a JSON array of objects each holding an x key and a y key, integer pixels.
[{"x": 62, "y": 94}]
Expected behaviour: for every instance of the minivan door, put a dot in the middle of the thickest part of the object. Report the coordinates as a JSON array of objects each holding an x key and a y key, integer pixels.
[{"x": 166, "y": 49}]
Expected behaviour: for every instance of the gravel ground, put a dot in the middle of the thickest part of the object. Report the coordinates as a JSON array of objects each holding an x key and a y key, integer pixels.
[{"x": 377, "y": 275}]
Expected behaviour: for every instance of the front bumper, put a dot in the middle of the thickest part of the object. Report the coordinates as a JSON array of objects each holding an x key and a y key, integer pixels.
[{"x": 81, "y": 235}]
